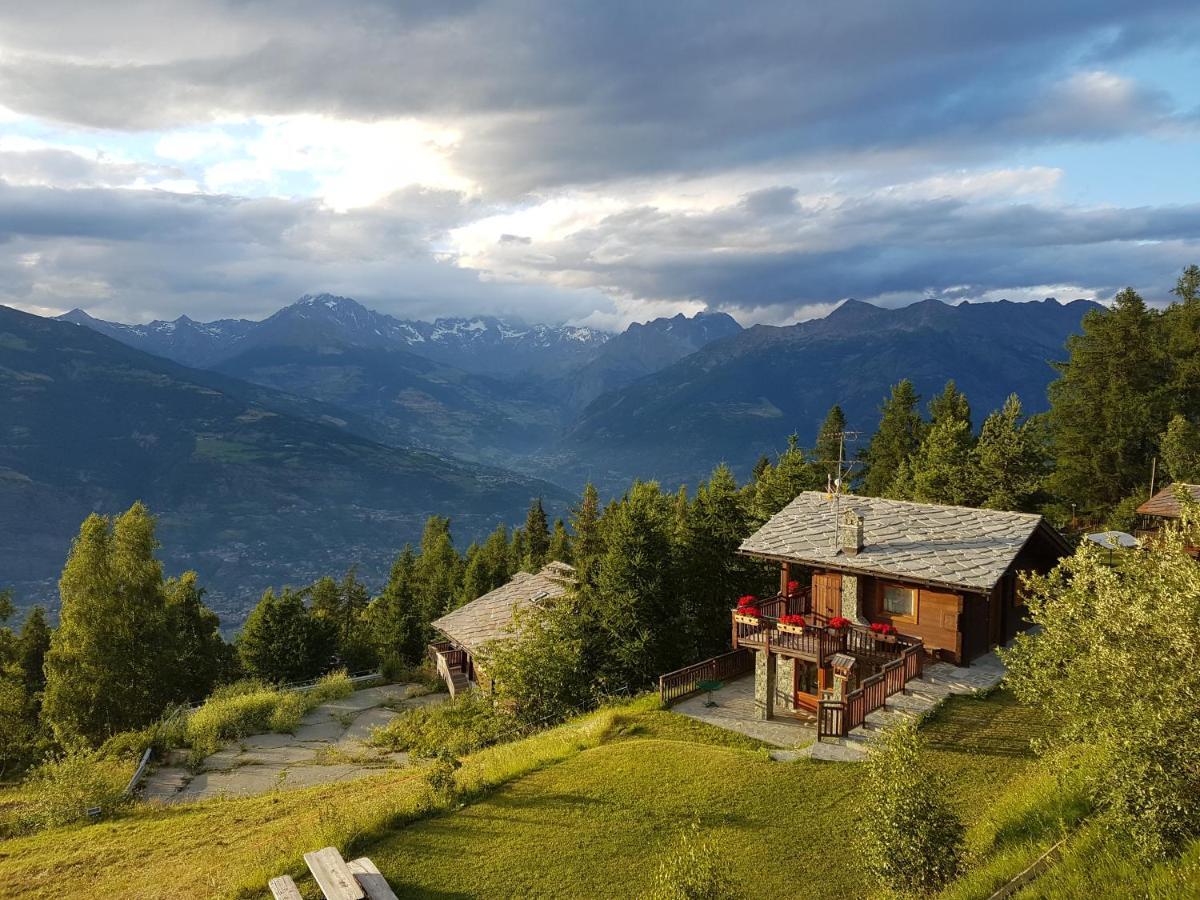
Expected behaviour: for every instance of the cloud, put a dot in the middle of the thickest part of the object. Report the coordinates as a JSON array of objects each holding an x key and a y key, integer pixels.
[
  {"x": 576, "y": 160},
  {"x": 778, "y": 255},
  {"x": 559, "y": 94}
]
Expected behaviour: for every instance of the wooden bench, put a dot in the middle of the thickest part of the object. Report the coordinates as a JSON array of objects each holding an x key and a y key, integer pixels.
[{"x": 358, "y": 879}]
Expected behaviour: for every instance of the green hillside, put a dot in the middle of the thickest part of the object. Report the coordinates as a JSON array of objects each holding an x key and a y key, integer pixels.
[{"x": 581, "y": 810}]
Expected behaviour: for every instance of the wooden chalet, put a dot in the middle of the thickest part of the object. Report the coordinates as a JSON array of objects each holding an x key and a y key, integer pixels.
[
  {"x": 870, "y": 589},
  {"x": 470, "y": 628},
  {"x": 1162, "y": 508}
]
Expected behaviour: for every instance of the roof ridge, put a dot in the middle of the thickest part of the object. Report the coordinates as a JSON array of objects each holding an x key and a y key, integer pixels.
[{"x": 917, "y": 503}]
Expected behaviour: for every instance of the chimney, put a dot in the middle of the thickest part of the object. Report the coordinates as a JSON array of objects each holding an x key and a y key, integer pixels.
[{"x": 850, "y": 533}]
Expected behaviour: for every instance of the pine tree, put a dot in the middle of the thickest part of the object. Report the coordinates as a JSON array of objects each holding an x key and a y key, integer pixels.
[
  {"x": 828, "y": 448},
  {"x": 537, "y": 536},
  {"x": 396, "y": 629},
  {"x": 341, "y": 607},
  {"x": 1110, "y": 405},
  {"x": 31, "y": 647},
  {"x": 940, "y": 470},
  {"x": 779, "y": 484},
  {"x": 560, "y": 543},
  {"x": 636, "y": 596},
  {"x": 201, "y": 656},
  {"x": 282, "y": 642},
  {"x": 897, "y": 438},
  {"x": 709, "y": 571},
  {"x": 585, "y": 523},
  {"x": 950, "y": 405},
  {"x": 108, "y": 668},
  {"x": 439, "y": 570},
  {"x": 1181, "y": 450},
  {"x": 1009, "y": 465},
  {"x": 487, "y": 566}
]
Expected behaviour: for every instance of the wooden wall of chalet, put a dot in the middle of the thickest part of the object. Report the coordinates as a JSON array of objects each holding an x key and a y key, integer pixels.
[{"x": 936, "y": 619}]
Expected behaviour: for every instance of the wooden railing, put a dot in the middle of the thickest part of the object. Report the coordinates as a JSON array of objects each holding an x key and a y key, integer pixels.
[
  {"x": 679, "y": 684},
  {"x": 838, "y": 718},
  {"x": 448, "y": 661}
]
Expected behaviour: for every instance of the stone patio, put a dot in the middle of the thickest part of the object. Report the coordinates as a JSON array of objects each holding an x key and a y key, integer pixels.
[
  {"x": 330, "y": 745},
  {"x": 735, "y": 711}
]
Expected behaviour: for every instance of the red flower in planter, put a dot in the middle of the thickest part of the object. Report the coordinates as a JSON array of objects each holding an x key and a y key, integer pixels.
[
  {"x": 791, "y": 620},
  {"x": 749, "y": 611},
  {"x": 747, "y": 600},
  {"x": 793, "y": 588},
  {"x": 839, "y": 622}
]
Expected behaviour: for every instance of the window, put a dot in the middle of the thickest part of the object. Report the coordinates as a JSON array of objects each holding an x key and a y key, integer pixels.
[{"x": 898, "y": 600}]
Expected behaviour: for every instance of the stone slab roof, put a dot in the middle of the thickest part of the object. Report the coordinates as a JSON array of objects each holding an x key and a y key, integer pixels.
[
  {"x": 487, "y": 618},
  {"x": 954, "y": 546},
  {"x": 1164, "y": 505}
]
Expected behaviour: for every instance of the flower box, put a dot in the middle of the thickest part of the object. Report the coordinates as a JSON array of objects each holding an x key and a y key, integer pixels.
[
  {"x": 788, "y": 628},
  {"x": 746, "y": 618}
]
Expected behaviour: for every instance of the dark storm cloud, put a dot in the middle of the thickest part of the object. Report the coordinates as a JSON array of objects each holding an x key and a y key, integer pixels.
[
  {"x": 556, "y": 99},
  {"x": 772, "y": 253},
  {"x": 557, "y": 93},
  {"x": 135, "y": 255}
]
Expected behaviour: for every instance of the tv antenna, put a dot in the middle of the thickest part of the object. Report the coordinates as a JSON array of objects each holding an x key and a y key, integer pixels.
[{"x": 836, "y": 485}]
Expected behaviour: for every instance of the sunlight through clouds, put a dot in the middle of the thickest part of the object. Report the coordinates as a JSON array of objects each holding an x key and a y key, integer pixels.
[{"x": 346, "y": 164}]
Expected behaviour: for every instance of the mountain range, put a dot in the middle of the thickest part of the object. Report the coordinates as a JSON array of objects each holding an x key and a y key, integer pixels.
[
  {"x": 253, "y": 487},
  {"x": 323, "y": 435},
  {"x": 742, "y": 396}
]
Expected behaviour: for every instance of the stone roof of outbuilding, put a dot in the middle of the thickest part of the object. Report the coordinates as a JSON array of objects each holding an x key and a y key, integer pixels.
[
  {"x": 954, "y": 546},
  {"x": 487, "y": 618},
  {"x": 1164, "y": 504}
]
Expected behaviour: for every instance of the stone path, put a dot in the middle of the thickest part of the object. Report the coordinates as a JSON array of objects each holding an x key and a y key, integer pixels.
[
  {"x": 937, "y": 682},
  {"x": 330, "y": 745}
]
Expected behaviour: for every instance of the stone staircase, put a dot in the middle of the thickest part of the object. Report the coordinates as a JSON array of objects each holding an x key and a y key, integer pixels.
[{"x": 937, "y": 682}]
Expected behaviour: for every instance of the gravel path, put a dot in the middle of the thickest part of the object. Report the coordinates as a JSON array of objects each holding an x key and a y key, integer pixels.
[{"x": 330, "y": 745}]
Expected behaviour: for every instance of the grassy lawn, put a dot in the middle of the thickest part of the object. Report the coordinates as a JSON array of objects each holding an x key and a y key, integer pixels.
[
  {"x": 581, "y": 810},
  {"x": 593, "y": 826}
]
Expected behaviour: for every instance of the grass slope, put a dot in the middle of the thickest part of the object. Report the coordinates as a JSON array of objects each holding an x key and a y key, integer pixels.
[{"x": 581, "y": 810}]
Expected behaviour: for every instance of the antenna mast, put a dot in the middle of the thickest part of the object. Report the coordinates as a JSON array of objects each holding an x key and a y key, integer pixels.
[{"x": 843, "y": 472}]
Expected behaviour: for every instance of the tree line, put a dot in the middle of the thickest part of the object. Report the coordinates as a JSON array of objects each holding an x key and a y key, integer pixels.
[{"x": 655, "y": 569}]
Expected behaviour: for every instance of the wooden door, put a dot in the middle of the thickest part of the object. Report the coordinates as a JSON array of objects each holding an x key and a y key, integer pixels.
[
  {"x": 809, "y": 682},
  {"x": 827, "y": 594}
]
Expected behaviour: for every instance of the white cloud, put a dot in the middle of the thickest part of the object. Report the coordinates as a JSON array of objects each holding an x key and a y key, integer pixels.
[{"x": 347, "y": 164}]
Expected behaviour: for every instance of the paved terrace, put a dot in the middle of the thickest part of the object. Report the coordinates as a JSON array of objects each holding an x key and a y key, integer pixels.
[
  {"x": 330, "y": 745},
  {"x": 735, "y": 709}
]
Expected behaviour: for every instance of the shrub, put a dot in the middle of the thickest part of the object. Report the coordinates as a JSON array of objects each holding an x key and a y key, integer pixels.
[
  {"x": 692, "y": 871},
  {"x": 333, "y": 686},
  {"x": 241, "y": 709},
  {"x": 62, "y": 789},
  {"x": 166, "y": 734},
  {"x": 912, "y": 842},
  {"x": 252, "y": 706},
  {"x": 461, "y": 726},
  {"x": 1114, "y": 662},
  {"x": 440, "y": 777}
]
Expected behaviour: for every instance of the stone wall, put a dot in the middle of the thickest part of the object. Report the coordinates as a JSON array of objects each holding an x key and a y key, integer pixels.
[
  {"x": 785, "y": 682},
  {"x": 764, "y": 684},
  {"x": 852, "y": 589}
]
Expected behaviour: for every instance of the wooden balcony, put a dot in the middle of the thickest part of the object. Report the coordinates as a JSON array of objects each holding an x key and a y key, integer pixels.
[{"x": 818, "y": 643}]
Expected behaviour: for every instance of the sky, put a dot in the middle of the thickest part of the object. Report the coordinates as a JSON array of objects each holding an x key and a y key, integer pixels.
[{"x": 594, "y": 163}]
